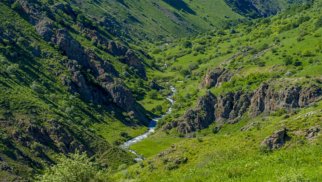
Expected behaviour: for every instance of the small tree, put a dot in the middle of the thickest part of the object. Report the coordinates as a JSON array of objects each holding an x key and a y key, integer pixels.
[
  {"x": 153, "y": 94},
  {"x": 318, "y": 23},
  {"x": 187, "y": 44}
]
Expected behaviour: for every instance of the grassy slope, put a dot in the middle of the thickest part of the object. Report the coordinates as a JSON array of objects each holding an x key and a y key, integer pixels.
[
  {"x": 232, "y": 154},
  {"x": 157, "y": 18}
]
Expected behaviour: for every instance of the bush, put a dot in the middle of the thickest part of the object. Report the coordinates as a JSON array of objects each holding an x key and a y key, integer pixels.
[
  {"x": 187, "y": 44},
  {"x": 153, "y": 94},
  {"x": 12, "y": 69},
  {"x": 193, "y": 66},
  {"x": 297, "y": 63},
  {"x": 185, "y": 72},
  {"x": 157, "y": 110},
  {"x": 288, "y": 61},
  {"x": 318, "y": 23},
  {"x": 261, "y": 63},
  {"x": 74, "y": 167},
  {"x": 199, "y": 48},
  {"x": 36, "y": 87}
]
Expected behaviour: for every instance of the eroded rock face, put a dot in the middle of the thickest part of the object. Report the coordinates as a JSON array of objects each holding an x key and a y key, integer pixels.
[
  {"x": 45, "y": 29},
  {"x": 216, "y": 77},
  {"x": 275, "y": 141},
  {"x": 267, "y": 99},
  {"x": 200, "y": 117},
  {"x": 121, "y": 96},
  {"x": 116, "y": 49},
  {"x": 231, "y": 106},
  {"x": 134, "y": 61},
  {"x": 59, "y": 136},
  {"x": 32, "y": 9}
]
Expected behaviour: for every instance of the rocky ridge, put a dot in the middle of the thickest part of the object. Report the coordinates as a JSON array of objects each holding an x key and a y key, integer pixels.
[{"x": 230, "y": 107}]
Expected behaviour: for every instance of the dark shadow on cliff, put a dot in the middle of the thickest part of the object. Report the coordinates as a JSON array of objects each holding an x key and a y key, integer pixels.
[{"x": 180, "y": 5}]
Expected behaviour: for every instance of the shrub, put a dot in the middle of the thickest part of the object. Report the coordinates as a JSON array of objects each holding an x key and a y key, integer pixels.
[
  {"x": 193, "y": 66},
  {"x": 288, "y": 60},
  {"x": 36, "y": 87},
  {"x": 184, "y": 72},
  {"x": 12, "y": 69},
  {"x": 199, "y": 48},
  {"x": 297, "y": 63},
  {"x": 187, "y": 44},
  {"x": 261, "y": 63},
  {"x": 153, "y": 94},
  {"x": 74, "y": 167},
  {"x": 157, "y": 109},
  {"x": 156, "y": 51},
  {"x": 318, "y": 23}
]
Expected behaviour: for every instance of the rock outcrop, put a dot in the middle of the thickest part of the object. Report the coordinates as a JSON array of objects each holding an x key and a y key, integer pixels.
[
  {"x": 131, "y": 59},
  {"x": 200, "y": 117},
  {"x": 45, "y": 28},
  {"x": 59, "y": 136},
  {"x": 216, "y": 77},
  {"x": 267, "y": 98},
  {"x": 231, "y": 106},
  {"x": 127, "y": 56},
  {"x": 312, "y": 132},
  {"x": 116, "y": 48},
  {"x": 275, "y": 141}
]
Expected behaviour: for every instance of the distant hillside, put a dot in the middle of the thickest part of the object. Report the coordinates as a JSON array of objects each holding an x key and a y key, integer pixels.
[
  {"x": 159, "y": 19},
  {"x": 168, "y": 19},
  {"x": 262, "y": 8}
]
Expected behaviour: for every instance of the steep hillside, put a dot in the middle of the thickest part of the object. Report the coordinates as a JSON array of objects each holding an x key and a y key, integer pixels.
[
  {"x": 158, "y": 19},
  {"x": 168, "y": 19}
]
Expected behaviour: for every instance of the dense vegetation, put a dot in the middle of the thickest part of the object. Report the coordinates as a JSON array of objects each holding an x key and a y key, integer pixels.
[{"x": 79, "y": 78}]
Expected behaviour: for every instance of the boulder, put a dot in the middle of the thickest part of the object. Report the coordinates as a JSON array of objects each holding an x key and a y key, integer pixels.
[
  {"x": 312, "y": 132},
  {"x": 275, "y": 141}
]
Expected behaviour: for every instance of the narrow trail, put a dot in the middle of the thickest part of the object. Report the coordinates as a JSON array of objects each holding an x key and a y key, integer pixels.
[{"x": 152, "y": 126}]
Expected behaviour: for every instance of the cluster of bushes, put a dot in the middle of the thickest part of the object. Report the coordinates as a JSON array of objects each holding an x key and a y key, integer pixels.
[{"x": 75, "y": 167}]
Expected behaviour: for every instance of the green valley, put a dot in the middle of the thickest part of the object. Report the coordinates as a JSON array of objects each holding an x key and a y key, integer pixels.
[{"x": 124, "y": 90}]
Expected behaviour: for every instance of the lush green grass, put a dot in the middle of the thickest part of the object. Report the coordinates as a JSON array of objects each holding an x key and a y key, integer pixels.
[{"x": 155, "y": 144}]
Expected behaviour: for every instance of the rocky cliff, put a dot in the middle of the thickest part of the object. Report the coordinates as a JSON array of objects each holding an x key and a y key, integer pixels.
[{"x": 231, "y": 106}]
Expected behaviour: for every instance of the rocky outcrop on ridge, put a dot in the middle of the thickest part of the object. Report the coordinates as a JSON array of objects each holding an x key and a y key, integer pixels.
[{"x": 231, "y": 106}]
